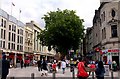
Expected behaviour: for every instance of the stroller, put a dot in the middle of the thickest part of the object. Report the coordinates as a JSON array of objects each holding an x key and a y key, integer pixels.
[{"x": 50, "y": 68}]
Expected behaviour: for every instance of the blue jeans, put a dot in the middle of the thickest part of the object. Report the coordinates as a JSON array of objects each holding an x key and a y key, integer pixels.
[{"x": 63, "y": 70}]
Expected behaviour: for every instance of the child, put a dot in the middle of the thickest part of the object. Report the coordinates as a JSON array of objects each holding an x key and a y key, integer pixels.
[{"x": 54, "y": 66}]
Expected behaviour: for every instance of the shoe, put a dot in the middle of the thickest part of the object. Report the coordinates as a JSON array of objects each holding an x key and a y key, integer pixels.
[
  {"x": 42, "y": 74},
  {"x": 45, "y": 74}
]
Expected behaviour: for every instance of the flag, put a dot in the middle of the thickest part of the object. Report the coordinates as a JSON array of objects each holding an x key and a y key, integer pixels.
[
  {"x": 20, "y": 11},
  {"x": 13, "y": 4}
]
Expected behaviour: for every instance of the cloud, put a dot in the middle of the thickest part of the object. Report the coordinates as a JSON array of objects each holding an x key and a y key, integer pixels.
[{"x": 35, "y": 9}]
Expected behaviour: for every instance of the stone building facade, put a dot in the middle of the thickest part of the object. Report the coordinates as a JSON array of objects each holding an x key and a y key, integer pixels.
[
  {"x": 106, "y": 32},
  {"x": 11, "y": 37}
]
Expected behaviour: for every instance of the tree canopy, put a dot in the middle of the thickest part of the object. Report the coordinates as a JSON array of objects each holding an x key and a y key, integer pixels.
[{"x": 63, "y": 31}]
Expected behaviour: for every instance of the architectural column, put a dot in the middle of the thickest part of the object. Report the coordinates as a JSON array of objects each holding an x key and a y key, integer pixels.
[{"x": 15, "y": 60}]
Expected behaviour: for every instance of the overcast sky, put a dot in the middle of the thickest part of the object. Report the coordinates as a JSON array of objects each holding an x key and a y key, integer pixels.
[{"x": 35, "y": 9}]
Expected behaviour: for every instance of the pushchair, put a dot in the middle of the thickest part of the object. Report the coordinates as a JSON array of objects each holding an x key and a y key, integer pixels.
[{"x": 50, "y": 68}]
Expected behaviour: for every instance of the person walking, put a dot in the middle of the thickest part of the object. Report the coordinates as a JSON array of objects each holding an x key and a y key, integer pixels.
[
  {"x": 92, "y": 66},
  {"x": 82, "y": 73},
  {"x": 5, "y": 67},
  {"x": 114, "y": 64},
  {"x": 39, "y": 62},
  {"x": 63, "y": 66},
  {"x": 44, "y": 67},
  {"x": 54, "y": 65},
  {"x": 21, "y": 63},
  {"x": 100, "y": 70}
]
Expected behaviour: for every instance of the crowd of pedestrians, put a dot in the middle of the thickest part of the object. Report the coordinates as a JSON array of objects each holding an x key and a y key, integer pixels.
[{"x": 45, "y": 66}]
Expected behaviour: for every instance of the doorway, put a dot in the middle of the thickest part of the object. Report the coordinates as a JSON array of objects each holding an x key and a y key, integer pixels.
[{"x": 116, "y": 58}]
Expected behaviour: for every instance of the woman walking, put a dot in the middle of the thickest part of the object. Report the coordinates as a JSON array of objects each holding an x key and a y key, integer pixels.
[{"x": 100, "y": 70}]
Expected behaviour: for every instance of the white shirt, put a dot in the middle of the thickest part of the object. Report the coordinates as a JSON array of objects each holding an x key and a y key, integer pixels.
[{"x": 63, "y": 64}]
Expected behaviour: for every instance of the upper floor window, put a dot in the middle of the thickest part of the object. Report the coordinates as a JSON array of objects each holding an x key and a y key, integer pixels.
[
  {"x": 103, "y": 17},
  {"x": 1, "y": 33},
  {"x": 14, "y": 28},
  {"x": 18, "y": 31},
  {"x": 114, "y": 31},
  {"x": 9, "y": 36},
  {"x": 3, "y": 44},
  {"x": 0, "y": 43},
  {"x": 21, "y": 32},
  {"x": 4, "y": 34},
  {"x": 104, "y": 33},
  {"x": 8, "y": 45},
  {"x": 17, "y": 39},
  {"x": 2, "y": 22},
  {"x": 113, "y": 13},
  {"x": 9, "y": 27}
]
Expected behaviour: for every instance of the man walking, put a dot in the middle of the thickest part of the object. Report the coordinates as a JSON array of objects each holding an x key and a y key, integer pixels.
[
  {"x": 39, "y": 62},
  {"x": 5, "y": 67}
]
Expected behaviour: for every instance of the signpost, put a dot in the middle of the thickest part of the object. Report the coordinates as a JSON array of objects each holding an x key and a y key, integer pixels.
[{"x": 106, "y": 70}]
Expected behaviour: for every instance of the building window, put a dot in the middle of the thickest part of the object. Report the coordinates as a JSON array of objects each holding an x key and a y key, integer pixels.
[
  {"x": 14, "y": 46},
  {"x": 0, "y": 43},
  {"x": 9, "y": 27},
  {"x": 113, "y": 13},
  {"x": 21, "y": 47},
  {"x": 3, "y": 44},
  {"x": 11, "y": 45},
  {"x": 20, "y": 39},
  {"x": 17, "y": 39},
  {"x": 9, "y": 36},
  {"x": 8, "y": 45},
  {"x": 12, "y": 36},
  {"x": 104, "y": 33},
  {"x": 114, "y": 30},
  {"x": 21, "y": 32},
  {"x": 4, "y": 24},
  {"x": 1, "y": 33},
  {"x": 4, "y": 33},
  {"x": 17, "y": 47},
  {"x": 14, "y": 28},
  {"x": 18, "y": 31}
]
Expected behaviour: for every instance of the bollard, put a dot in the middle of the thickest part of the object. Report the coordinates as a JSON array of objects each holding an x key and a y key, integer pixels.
[
  {"x": 32, "y": 76},
  {"x": 53, "y": 74},
  {"x": 111, "y": 74},
  {"x": 92, "y": 75},
  {"x": 73, "y": 73}
]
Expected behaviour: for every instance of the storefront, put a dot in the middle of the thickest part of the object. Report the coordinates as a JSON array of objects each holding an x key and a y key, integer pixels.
[{"x": 112, "y": 55}]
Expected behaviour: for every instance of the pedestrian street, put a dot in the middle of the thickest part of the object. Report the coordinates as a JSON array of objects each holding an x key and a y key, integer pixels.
[{"x": 26, "y": 72}]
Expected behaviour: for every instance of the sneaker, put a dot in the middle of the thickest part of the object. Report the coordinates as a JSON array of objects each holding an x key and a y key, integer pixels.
[
  {"x": 42, "y": 74},
  {"x": 46, "y": 74}
]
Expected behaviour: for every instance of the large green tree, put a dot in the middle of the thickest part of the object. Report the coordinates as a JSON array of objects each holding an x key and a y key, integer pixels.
[{"x": 63, "y": 31}]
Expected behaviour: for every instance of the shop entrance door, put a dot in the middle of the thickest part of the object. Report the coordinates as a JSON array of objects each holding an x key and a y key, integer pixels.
[{"x": 116, "y": 58}]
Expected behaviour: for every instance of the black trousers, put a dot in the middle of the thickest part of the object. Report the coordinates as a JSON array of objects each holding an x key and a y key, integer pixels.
[{"x": 39, "y": 68}]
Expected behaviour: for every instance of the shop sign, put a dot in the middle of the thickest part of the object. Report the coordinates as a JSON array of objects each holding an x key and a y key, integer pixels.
[{"x": 114, "y": 50}]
